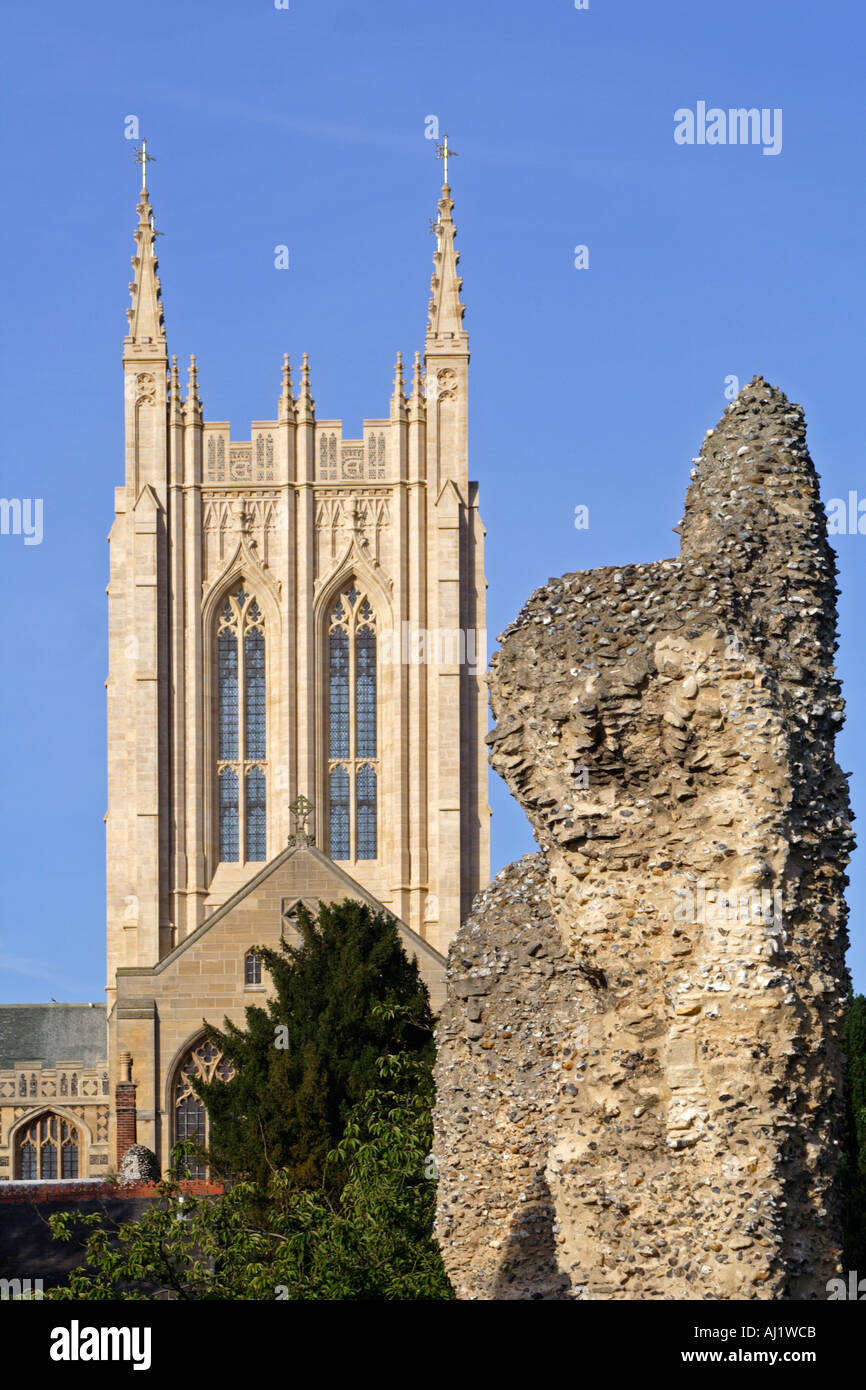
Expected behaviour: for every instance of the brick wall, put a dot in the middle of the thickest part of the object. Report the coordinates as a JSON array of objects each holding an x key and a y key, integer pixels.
[
  {"x": 87, "y": 1190},
  {"x": 124, "y": 1100}
]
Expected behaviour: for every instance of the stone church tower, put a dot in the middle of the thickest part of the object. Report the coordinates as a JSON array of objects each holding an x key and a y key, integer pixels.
[{"x": 291, "y": 615}]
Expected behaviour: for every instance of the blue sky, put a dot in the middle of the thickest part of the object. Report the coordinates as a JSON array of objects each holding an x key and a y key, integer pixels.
[{"x": 305, "y": 127}]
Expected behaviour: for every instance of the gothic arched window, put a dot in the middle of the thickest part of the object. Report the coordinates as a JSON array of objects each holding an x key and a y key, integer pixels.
[
  {"x": 252, "y": 967},
  {"x": 353, "y": 767},
  {"x": 47, "y": 1147},
  {"x": 202, "y": 1061},
  {"x": 241, "y": 751}
]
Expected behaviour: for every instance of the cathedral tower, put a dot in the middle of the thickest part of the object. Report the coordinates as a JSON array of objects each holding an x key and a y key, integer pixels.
[{"x": 294, "y": 614}]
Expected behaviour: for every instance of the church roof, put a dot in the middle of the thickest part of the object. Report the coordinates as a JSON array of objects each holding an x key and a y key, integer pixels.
[{"x": 52, "y": 1034}]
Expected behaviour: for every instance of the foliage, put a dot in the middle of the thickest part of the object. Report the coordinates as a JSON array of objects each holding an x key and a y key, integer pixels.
[
  {"x": 372, "y": 1242},
  {"x": 310, "y": 1056},
  {"x": 854, "y": 1160}
]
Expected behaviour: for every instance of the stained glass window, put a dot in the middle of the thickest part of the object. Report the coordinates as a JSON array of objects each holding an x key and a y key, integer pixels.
[
  {"x": 229, "y": 817},
  {"x": 339, "y": 801},
  {"x": 254, "y": 671},
  {"x": 352, "y": 726},
  {"x": 365, "y": 692},
  {"x": 241, "y": 734},
  {"x": 228, "y": 694},
  {"x": 69, "y": 1161},
  {"x": 252, "y": 968},
  {"x": 205, "y": 1062},
  {"x": 48, "y": 1147},
  {"x": 189, "y": 1123},
  {"x": 256, "y": 827},
  {"x": 366, "y": 813},
  {"x": 339, "y": 720}
]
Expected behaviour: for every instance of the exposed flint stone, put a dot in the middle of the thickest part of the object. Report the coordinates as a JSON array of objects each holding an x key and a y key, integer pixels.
[{"x": 663, "y": 1077}]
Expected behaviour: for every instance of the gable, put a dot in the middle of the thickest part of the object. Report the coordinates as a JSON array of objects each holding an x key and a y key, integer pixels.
[{"x": 257, "y": 916}]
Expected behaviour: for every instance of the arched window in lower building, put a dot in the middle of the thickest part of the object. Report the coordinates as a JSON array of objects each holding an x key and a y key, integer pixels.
[
  {"x": 252, "y": 967},
  {"x": 202, "y": 1061},
  {"x": 353, "y": 766},
  {"x": 47, "y": 1147},
  {"x": 241, "y": 764}
]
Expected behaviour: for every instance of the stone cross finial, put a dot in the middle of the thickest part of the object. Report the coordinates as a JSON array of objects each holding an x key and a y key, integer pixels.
[
  {"x": 443, "y": 152},
  {"x": 143, "y": 158},
  {"x": 301, "y": 809}
]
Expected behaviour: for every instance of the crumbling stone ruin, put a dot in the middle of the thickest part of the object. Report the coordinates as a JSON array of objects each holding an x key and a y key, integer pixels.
[{"x": 639, "y": 1073}]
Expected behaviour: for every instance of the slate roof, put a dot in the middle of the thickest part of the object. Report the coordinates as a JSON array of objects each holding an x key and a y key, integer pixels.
[{"x": 52, "y": 1033}]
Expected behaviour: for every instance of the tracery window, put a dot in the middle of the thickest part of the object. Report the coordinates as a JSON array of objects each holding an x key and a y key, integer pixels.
[
  {"x": 252, "y": 967},
  {"x": 47, "y": 1147},
  {"x": 241, "y": 753},
  {"x": 202, "y": 1061},
  {"x": 353, "y": 766}
]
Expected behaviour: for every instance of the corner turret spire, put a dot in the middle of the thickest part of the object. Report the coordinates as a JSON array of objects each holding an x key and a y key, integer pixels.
[
  {"x": 306, "y": 406},
  {"x": 146, "y": 331},
  {"x": 193, "y": 406},
  {"x": 398, "y": 398},
  {"x": 175, "y": 400},
  {"x": 445, "y": 314},
  {"x": 417, "y": 403},
  {"x": 286, "y": 409}
]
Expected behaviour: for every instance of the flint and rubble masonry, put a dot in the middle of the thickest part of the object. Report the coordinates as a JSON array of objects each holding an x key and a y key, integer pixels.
[{"x": 632, "y": 1106}]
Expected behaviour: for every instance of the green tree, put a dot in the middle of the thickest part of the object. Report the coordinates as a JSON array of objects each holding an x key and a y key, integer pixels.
[
  {"x": 372, "y": 1242},
  {"x": 305, "y": 1060}
]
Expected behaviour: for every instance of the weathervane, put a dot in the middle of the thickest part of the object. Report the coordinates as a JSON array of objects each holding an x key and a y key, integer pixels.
[
  {"x": 142, "y": 157},
  {"x": 301, "y": 809},
  {"x": 443, "y": 152}
]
